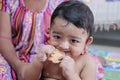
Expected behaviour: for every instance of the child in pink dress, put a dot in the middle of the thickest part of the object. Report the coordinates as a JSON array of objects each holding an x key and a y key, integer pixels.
[{"x": 23, "y": 29}]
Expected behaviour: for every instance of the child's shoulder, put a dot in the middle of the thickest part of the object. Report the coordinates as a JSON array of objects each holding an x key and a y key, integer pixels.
[
  {"x": 88, "y": 67},
  {"x": 87, "y": 56},
  {"x": 87, "y": 59}
]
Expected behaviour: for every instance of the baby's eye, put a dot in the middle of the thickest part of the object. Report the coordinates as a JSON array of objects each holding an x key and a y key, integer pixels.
[
  {"x": 57, "y": 37},
  {"x": 74, "y": 41}
]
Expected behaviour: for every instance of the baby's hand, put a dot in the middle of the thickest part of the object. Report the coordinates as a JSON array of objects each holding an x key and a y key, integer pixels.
[
  {"x": 57, "y": 56},
  {"x": 68, "y": 66},
  {"x": 45, "y": 52}
]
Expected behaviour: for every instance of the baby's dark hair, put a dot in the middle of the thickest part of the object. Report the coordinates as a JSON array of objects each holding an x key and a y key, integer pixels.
[{"x": 76, "y": 13}]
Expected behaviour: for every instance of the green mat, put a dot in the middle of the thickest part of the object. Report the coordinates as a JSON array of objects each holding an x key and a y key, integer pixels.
[{"x": 111, "y": 75}]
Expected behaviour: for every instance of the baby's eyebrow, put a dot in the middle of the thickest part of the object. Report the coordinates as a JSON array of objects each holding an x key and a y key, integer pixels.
[
  {"x": 76, "y": 37},
  {"x": 57, "y": 32}
]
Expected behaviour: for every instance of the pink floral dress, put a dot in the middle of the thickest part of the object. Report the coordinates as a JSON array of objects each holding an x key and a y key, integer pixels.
[{"x": 29, "y": 30}]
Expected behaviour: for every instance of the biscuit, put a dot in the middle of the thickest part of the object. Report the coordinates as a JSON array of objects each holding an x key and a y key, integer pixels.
[{"x": 56, "y": 55}]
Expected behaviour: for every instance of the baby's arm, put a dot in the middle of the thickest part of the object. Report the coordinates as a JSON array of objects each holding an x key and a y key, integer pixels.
[
  {"x": 89, "y": 71},
  {"x": 33, "y": 68},
  {"x": 69, "y": 70}
]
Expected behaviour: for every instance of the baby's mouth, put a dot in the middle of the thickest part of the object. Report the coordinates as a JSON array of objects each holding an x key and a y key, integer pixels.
[{"x": 67, "y": 53}]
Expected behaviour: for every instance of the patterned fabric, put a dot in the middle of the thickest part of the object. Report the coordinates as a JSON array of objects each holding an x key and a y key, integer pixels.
[
  {"x": 4, "y": 70},
  {"x": 28, "y": 28}
]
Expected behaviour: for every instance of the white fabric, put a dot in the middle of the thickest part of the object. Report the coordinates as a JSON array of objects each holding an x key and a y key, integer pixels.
[{"x": 107, "y": 15}]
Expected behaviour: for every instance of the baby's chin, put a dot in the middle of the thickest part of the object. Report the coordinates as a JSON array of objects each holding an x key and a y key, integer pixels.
[{"x": 55, "y": 57}]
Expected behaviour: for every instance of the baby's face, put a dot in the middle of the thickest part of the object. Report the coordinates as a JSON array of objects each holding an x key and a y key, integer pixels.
[{"x": 68, "y": 38}]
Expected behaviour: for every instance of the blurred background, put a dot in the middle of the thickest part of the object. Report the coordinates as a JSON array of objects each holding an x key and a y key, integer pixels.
[{"x": 107, "y": 35}]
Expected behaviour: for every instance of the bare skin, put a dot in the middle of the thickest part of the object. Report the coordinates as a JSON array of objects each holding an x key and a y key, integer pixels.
[
  {"x": 55, "y": 72},
  {"x": 77, "y": 64},
  {"x": 35, "y": 5}
]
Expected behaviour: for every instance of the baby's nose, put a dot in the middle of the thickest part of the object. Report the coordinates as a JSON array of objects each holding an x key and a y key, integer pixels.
[{"x": 64, "y": 45}]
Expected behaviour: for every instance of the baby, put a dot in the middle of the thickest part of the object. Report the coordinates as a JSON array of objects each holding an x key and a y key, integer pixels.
[{"x": 70, "y": 35}]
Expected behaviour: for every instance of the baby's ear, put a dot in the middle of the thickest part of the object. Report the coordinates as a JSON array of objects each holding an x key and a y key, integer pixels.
[{"x": 89, "y": 41}]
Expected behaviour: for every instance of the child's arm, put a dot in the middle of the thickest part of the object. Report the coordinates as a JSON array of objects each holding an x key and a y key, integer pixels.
[
  {"x": 33, "y": 70},
  {"x": 69, "y": 70},
  {"x": 89, "y": 71}
]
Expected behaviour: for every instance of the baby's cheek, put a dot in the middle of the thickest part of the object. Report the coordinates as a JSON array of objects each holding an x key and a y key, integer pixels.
[
  {"x": 51, "y": 42},
  {"x": 78, "y": 52},
  {"x": 54, "y": 43}
]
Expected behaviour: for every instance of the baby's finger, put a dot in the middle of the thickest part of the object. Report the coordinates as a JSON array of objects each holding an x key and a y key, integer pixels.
[
  {"x": 49, "y": 49},
  {"x": 60, "y": 58},
  {"x": 41, "y": 56},
  {"x": 66, "y": 57}
]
